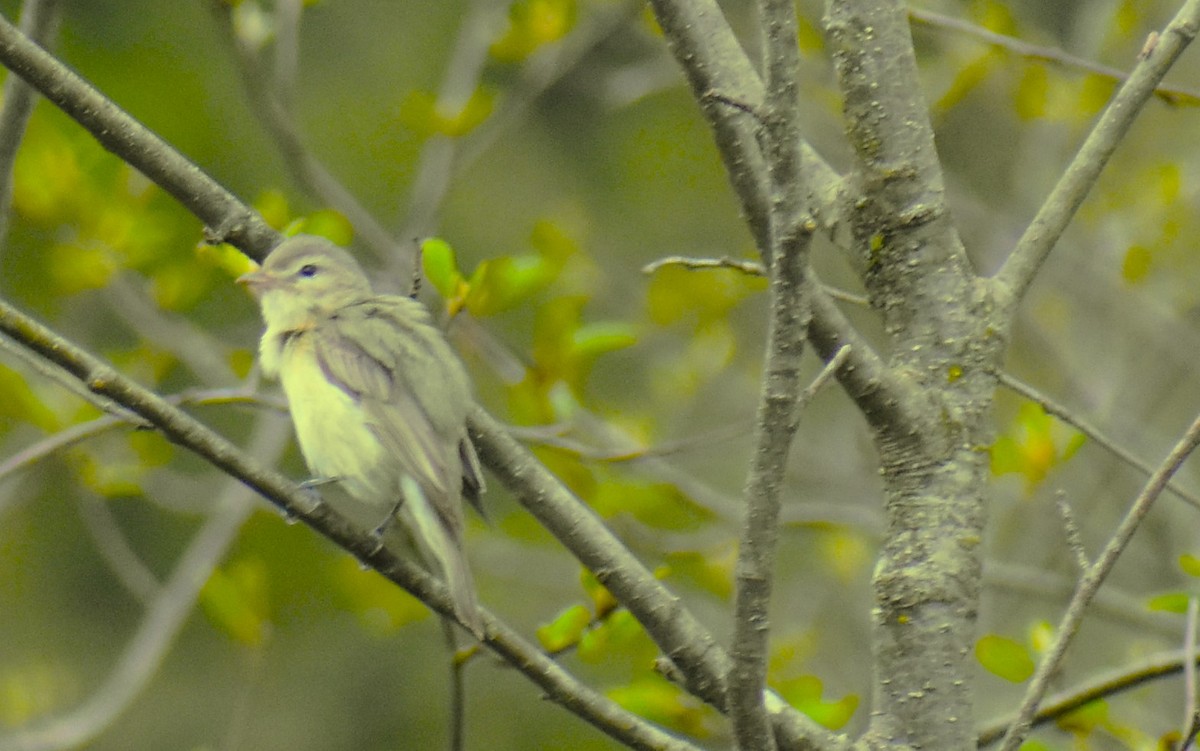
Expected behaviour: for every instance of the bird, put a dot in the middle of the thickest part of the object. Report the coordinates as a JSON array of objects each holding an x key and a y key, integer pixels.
[{"x": 378, "y": 398}]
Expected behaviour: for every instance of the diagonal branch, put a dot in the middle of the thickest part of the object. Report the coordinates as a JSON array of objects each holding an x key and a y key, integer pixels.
[
  {"x": 1017, "y": 274},
  {"x": 39, "y": 20},
  {"x": 1091, "y": 581},
  {"x": 685, "y": 641},
  {"x": 227, "y": 218},
  {"x": 181, "y": 428}
]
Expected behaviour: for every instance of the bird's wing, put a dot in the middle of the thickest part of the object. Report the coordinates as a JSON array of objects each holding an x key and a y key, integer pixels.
[{"x": 385, "y": 353}]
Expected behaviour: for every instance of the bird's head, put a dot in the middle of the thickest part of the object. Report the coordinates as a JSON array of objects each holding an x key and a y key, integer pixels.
[{"x": 305, "y": 277}]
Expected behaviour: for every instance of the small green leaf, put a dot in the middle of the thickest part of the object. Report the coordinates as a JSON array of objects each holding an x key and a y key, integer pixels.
[
  {"x": 1172, "y": 602},
  {"x": 235, "y": 599},
  {"x": 601, "y": 337},
  {"x": 1004, "y": 657},
  {"x": 502, "y": 283},
  {"x": 381, "y": 606},
  {"x": 564, "y": 631},
  {"x": 804, "y": 693},
  {"x": 327, "y": 223},
  {"x": 533, "y": 23},
  {"x": 422, "y": 113},
  {"x": 441, "y": 266},
  {"x": 1137, "y": 263},
  {"x": 658, "y": 505},
  {"x": 710, "y": 570},
  {"x": 1189, "y": 564},
  {"x": 656, "y": 699}
]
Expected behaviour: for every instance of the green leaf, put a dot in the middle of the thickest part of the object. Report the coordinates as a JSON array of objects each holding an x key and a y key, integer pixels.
[
  {"x": 564, "y": 631},
  {"x": 531, "y": 24},
  {"x": 1189, "y": 564},
  {"x": 653, "y": 697},
  {"x": 658, "y": 505},
  {"x": 804, "y": 693},
  {"x": 500, "y": 284},
  {"x": 21, "y": 403},
  {"x": 235, "y": 600},
  {"x": 1004, "y": 657},
  {"x": 440, "y": 265},
  {"x": 380, "y": 605},
  {"x": 422, "y": 113},
  {"x": 327, "y": 223},
  {"x": 712, "y": 571},
  {"x": 594, "y": 339},
  {"x": 1137, "y": 263},
  {"x": 1172, "y": 602}
]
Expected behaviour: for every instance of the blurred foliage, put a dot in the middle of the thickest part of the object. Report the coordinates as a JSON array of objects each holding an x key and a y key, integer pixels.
[{"x": 559, "y": 190}]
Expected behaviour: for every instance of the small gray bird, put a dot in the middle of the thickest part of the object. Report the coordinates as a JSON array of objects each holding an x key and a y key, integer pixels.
[{"x": 378, "y": 397}]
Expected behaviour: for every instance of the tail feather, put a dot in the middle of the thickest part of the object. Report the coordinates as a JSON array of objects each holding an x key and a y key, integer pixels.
[{"x": 442, "y": 546}]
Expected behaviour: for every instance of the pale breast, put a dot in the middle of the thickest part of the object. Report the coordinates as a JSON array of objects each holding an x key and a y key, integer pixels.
[{"x": 330, "y": 428}]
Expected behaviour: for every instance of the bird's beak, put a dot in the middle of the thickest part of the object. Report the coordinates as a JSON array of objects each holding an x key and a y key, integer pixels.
[{"x": 257, "y": 281}]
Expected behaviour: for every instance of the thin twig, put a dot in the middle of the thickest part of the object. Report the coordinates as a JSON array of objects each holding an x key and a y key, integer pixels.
[
  {"x": 49, "y": 371},
  {"x": 39, "y": 21},
  {"x": 752, "y": 268},
  {"x": 1092, "y": 432},
  {"x": 1170, "y": 94},
  {"x": 1188, "y": 726},
  {"x": 116, "y": 551},
  {"x": 1155, "y": 667},
  {"x": 1071, "y": 529},
  {"x": 1091, "y": 582},
  {"x": 457, "y": 712},
  {"x": 74, "y": 434}
]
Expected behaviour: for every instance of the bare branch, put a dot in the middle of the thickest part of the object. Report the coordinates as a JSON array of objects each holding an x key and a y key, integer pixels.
[
  {"x": 1031, "y": 251},
  {"x": 1071, "y": 529}
]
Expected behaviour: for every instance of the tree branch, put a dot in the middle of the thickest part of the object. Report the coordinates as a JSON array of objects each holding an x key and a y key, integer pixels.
[
  {"x": 790, "y": 230},
  {"x": 39, "y": 21},
  {"x": 690, "y": 647},
  {"x": 1017, "y": 274},
  {"x": 1091, "y": 581},
  {"x": 1105, "y": 686},
  {"x": 227, "y": 218},
  {"x": 182, "y": 429}
]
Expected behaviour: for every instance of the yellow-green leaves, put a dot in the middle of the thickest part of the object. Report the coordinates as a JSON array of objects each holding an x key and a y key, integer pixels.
[
  {"x": 502, "y": 282},
  {"x": 1033, "y": 445},
  {"x": 565, "y": 630},
  {"x": 805, "y": 693},
  {"x": 532, "y": 24},
  {"x": 1177, "y": 602},
  {"x": 235, "y": 600},
  {"x": 1004, "y": 657},
  {"x": 426, "y": 116}
]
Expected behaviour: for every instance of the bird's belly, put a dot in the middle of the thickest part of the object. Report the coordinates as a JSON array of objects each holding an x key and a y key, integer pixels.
[{"x": 332, "y": 430}]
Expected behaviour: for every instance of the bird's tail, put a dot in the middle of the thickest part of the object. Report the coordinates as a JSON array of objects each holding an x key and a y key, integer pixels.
[{"x": 442, "y": 545}]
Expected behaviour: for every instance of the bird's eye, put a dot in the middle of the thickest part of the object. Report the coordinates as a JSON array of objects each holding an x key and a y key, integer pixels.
[{"x": 308, "y": 269}]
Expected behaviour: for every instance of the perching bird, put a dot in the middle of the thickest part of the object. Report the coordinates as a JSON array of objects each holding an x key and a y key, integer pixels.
[{"x": 378, "y": 397}]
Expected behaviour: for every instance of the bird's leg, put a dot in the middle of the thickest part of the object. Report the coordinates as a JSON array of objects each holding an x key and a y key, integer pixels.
[
  {"x": 388, "y": 520},
  {"x": 310, "y": 486}
]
